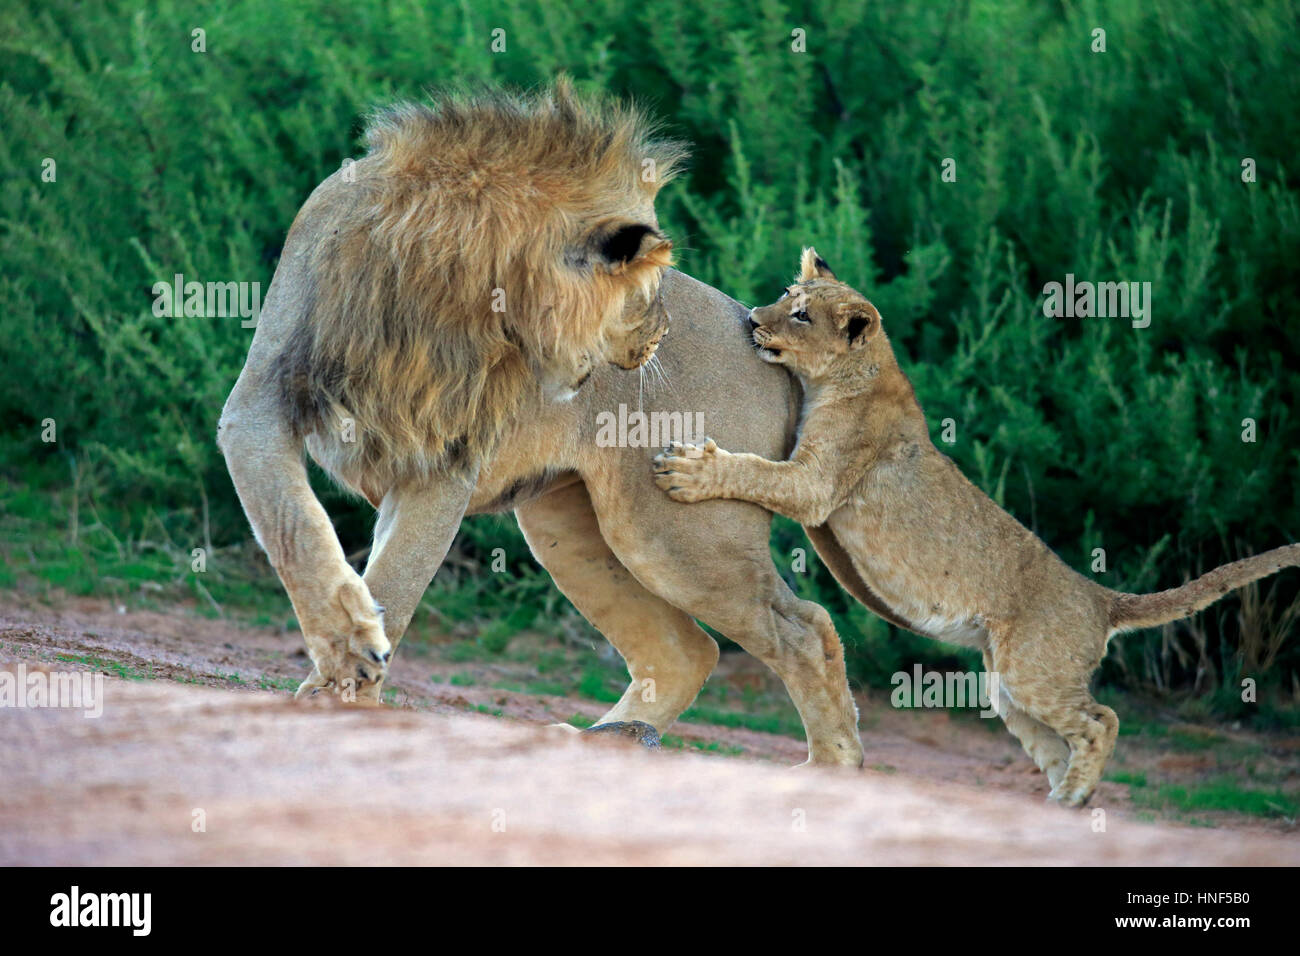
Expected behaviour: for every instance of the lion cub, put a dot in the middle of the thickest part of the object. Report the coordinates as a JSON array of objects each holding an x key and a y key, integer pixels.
[{"x": 932, "y": 547}]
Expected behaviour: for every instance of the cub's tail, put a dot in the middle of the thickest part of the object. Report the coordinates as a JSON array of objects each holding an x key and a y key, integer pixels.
[{"x": 1131, "y": 611}]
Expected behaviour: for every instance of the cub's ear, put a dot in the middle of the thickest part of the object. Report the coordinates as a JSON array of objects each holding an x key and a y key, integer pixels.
[
  {"x": 859, "y": 321},
  {"x": 813, "y": 266},
  {"x": 624, "y": 246}
]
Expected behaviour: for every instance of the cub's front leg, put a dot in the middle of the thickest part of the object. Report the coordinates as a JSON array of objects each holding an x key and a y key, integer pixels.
[{"x": 793, "y": 488}]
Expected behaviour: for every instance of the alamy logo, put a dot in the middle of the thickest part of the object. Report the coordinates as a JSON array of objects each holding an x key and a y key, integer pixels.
[
  {"x": 1105, "y": 300},
  {"x": 950, "y": 689},
  {"x": 655, "y": 430},
  {"x": 178, "y": 299},
  {"x": 74, "y": 689},
  {"x": 103, "y": 909}
]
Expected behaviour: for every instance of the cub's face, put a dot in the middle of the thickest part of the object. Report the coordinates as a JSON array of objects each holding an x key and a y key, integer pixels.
[{"x": 819, "y": 323}]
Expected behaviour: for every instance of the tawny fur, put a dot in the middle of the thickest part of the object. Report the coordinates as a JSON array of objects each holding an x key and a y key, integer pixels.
[
  {"x": 458, "y": 269},
  {"x": 486, "y": 256},
  {"x": 642, "y": 569},
  {"x": 937, "y": 551}
]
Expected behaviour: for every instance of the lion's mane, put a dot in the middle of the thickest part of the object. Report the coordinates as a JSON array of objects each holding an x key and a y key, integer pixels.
[{"x": 451, "y": 262}]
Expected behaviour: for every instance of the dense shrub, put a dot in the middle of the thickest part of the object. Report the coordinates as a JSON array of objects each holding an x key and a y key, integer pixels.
[{"x": 1116, "y": 165}]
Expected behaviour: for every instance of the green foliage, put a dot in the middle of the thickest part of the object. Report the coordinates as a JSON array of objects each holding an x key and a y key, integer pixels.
[
  {"x": 1122, "y": 165},
  {"x": 1223, "y": 794}
]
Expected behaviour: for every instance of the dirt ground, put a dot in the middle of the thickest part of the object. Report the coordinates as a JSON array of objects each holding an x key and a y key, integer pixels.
[{"x": 212, "y": 763}]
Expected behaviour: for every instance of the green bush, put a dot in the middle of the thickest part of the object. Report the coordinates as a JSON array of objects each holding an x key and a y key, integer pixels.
[{"x": 1116, "y": 165}]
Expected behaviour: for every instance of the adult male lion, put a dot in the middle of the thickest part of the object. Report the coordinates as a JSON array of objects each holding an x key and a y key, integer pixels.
[{"x": 378, "y": 348}]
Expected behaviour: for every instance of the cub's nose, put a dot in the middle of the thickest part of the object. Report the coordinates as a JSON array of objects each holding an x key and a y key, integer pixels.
[{"x": 752, "y": 324}]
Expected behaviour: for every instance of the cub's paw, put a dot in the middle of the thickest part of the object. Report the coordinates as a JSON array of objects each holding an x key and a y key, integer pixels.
[
  {"x": 1073, "y": 797},
  {"x": 690, "y": 472}
]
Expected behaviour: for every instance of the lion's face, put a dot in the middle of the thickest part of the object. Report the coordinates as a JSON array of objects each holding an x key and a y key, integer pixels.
[
  {"x": 817, "y": 323},
  {"x": 637, "y": 331},
  {"x": 638, "y": 253},
  {"x": 616, "y": 268}
]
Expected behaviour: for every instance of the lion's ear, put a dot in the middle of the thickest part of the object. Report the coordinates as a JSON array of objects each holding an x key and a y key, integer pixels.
[
  {"x": 813, "y": 266},
  {"x": 628, "y": 246},
  {"x": 859, "y": 320}
]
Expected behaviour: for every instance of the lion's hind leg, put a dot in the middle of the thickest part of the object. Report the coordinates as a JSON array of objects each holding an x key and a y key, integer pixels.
[
  {"x": 722, "y": 573},
  {"x": 668, "y": 656}
]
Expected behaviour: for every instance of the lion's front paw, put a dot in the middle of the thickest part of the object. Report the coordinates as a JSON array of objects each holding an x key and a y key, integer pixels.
[
  {"x": 690, "y": 472},
  {"x": 350, "y": 651},
  {"x": 350, "y": 681}
]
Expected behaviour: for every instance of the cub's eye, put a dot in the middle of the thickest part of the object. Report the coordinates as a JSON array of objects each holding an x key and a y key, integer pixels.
[{"x": 801, "y": 316}]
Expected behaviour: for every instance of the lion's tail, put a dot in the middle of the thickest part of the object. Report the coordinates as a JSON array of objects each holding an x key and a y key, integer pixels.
[{"x": 1132, "y": 611}]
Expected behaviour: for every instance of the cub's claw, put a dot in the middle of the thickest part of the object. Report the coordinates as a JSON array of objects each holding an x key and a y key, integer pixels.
[
  {"x": 678, "y": 449},
  {"x": 688, "y": 472}
]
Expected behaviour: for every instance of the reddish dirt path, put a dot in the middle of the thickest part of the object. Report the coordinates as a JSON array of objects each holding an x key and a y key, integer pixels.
[{"x": 280, "y": 783}]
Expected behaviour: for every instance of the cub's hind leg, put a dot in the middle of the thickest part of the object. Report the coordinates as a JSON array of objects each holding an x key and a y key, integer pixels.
[
  {"x": 1043, "y": 745},
  {"x": 1091, "y": 729},
  {"x": 1049, "y": 684}
]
